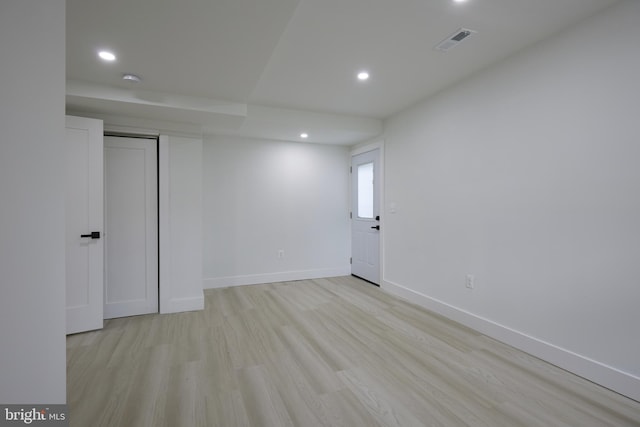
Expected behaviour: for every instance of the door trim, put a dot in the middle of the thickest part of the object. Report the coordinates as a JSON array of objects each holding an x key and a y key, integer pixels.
[{"x": 370, "y": 146}]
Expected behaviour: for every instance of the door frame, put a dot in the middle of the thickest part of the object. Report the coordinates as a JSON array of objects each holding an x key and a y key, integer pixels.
[{"x": 359, "y": 149}]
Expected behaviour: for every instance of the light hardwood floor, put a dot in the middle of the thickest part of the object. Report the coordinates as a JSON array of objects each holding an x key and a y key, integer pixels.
[{"x": 325, "y": 352}]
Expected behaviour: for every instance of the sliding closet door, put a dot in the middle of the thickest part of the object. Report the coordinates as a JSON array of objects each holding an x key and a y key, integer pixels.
[{"x": 131, "y": 227}]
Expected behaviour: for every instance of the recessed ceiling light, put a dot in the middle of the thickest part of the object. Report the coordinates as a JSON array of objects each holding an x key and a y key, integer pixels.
[
  {"x": 363, "y": 75},
  {"x": 106, "y": 55},
  {"x": 131, "y": 78},
  {"x": 304, "y": 135},
  {"x": 459, "y": 1}
]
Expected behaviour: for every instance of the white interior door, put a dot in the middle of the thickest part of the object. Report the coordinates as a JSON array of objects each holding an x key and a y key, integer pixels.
[
  {"x": 365, "y": 216},
  {"x": 131, "y": 230},
  {"x": 84, "y": 215}
]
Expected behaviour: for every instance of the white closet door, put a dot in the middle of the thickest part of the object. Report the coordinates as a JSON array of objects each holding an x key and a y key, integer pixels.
[
  {"x": 84, "y": 216},
  {"x": 131, "y": 229}
]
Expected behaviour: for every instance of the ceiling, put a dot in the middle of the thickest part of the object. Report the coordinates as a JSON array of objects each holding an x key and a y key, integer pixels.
[{"x": 275, "y": 68}]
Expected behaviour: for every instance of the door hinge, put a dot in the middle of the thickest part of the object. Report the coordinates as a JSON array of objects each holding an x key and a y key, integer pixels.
[
  {"x": 350, "y": 215},
  {"x": 350, "y": 169},
  {"x": 350, "y": 260}
]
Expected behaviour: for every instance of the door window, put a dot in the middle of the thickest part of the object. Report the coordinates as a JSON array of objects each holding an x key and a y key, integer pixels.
[{"x": 365, "y": 190}]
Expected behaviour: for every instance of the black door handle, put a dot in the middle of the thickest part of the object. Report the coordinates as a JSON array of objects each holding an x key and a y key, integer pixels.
[
  {"x": 93, "y": 235},
  {"x": 377, "y": 227}
]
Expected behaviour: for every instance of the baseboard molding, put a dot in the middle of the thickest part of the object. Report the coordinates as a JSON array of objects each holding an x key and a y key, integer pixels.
[
  {"x": 284, "y": 276},
  {"x": 178, "y": 305},
  {"x": 592, "y": 370}
]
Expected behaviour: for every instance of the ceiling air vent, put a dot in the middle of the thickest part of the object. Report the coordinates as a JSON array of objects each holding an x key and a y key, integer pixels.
[{"x": 454, "y": 39}]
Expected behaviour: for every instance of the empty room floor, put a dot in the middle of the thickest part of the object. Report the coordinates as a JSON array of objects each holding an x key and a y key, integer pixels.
[{"x": 324, "y": 352}]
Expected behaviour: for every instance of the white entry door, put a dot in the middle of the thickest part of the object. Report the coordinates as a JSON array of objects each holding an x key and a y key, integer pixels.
[
  {"x": 131, "y": 229},
  {"x": 84, "y": 224},
  {"x": 365, "y": 216}
]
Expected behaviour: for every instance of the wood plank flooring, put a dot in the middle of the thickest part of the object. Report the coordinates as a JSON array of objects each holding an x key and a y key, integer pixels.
[{"x": 333, "y": 352}]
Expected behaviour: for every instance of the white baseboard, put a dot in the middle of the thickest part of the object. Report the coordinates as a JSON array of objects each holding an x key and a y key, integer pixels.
[
  {"x": 284, "y": 276},
  {"x": 178, "y": 305},
  {"x": 597, "y": 372}
]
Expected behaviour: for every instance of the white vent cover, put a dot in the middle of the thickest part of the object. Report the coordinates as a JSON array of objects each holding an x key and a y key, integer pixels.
[{"x": 454, "y": 39}]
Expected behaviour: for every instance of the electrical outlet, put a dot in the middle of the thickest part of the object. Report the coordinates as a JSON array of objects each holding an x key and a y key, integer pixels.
[
  {"x": 280, "y": 253},
  {"x": 470, "y": 283}
]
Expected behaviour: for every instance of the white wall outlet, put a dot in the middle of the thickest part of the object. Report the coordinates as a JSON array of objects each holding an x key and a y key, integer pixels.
[
  {"x": 280, "y": 253},
  {"x": 470, "y": 282}
]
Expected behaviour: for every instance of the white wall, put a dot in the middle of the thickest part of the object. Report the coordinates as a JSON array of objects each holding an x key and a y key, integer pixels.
[
  {"x": 527, "y": 176},
  {"x": 263, "y": 196},
  {"x": 32, "y": 221},
  {"x": 180, "y": 224}
]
